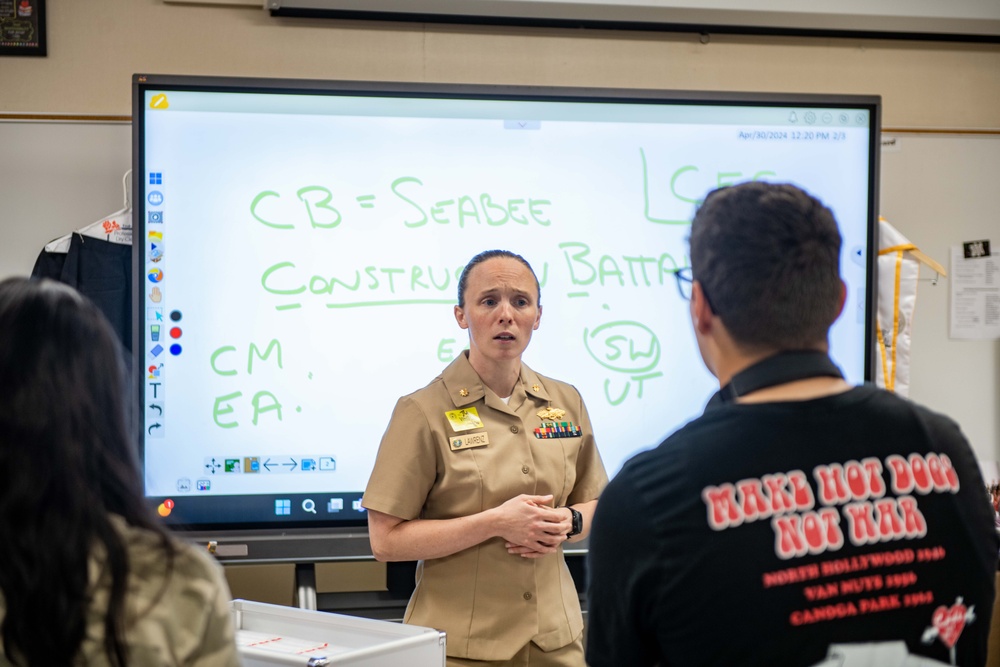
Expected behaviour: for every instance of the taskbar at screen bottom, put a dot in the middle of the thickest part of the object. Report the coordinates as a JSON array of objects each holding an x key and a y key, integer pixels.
[{"x": 271, "y": 510}]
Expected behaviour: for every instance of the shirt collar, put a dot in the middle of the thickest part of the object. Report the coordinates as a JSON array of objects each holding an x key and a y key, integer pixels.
[
  {"x": 780, "y": 368},
  {"x": 466, "y": 387}
]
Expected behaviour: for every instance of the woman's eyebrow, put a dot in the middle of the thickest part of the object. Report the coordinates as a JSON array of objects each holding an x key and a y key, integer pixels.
[{"x": 494, "y": 291}]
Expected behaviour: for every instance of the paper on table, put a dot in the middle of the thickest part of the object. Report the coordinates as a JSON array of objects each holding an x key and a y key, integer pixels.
[{"x": 290, "y": 645}]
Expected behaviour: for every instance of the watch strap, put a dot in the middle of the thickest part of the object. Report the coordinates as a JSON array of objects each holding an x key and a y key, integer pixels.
[{"x": 577, "y": 523}]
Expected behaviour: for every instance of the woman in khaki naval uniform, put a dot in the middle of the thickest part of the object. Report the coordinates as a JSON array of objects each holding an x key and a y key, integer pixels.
[{"x": 481, "y": 476}]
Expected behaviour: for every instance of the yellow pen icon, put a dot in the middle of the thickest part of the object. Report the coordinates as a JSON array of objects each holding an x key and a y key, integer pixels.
[{"x": 159, "y": 101}]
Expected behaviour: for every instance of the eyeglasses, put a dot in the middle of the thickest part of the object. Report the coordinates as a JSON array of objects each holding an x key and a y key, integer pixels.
[{"x": 685, "y": 281}]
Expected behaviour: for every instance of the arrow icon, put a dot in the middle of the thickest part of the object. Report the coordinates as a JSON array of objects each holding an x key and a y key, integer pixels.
[{"x": 152, "y": 426}]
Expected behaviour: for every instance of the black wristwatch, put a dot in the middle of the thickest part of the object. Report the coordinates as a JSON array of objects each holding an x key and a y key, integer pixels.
[{"x": 577, "y": 523}]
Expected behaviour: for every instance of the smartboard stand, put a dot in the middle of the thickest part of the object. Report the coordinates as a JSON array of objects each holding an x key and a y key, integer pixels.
[{"x": 305, "y": 586}]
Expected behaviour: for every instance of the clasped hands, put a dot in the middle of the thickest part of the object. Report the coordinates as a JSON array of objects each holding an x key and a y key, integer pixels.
[{"x": 531, "y": 527}]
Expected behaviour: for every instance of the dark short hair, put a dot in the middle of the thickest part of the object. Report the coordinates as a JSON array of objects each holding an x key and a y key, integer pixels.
[
  {"x": 463, "y": 281},
  {"x": 768, "y": 258}
]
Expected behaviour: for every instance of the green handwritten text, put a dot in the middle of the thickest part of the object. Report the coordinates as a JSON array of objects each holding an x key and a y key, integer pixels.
[
  {"x": 640, "y": 270},
  {"x": 262, "y": 402},
  {"x": 465, "y": 210},
  {"x": 687, "y": 184}
]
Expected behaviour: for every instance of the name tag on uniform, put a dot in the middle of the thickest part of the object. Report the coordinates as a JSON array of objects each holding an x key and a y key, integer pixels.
[
  {"x": 464, "y": 420},
  {"x": 470, "y": 441}
]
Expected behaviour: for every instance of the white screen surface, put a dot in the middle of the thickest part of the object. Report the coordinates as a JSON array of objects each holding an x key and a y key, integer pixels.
[{"x": 306, "y": 251}]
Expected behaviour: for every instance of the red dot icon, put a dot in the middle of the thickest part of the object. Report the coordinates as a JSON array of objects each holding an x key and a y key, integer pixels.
[{"x": 175, "y": 332}]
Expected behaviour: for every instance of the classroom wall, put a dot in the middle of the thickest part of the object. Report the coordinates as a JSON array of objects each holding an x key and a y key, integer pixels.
[
  {"x": 940, "y": 190},
  {"x": 95, "y": 47}
]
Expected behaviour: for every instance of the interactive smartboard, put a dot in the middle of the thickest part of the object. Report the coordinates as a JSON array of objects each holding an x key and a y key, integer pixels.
[{"x": 299, "y": 246}]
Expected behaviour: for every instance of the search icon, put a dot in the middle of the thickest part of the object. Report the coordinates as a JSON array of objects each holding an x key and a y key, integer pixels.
[{"x": 308, "y": 505}]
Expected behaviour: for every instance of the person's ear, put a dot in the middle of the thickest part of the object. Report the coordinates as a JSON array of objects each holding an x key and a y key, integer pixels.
[
  {"x": 701, "y": 312},
  {"x": 843, "y": 299},
  {"x": 538, "y": 319},
  {"x": 460, "y": 318}
]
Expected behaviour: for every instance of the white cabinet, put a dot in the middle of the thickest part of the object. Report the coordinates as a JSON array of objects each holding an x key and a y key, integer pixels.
[{"x": 270, "y": 635}]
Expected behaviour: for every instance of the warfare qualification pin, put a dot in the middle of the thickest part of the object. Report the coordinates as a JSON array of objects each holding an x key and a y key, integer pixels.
[{"x": 551, "y": 414}]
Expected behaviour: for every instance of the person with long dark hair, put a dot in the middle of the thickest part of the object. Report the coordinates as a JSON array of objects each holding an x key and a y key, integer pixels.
[{"x": 88, "y": 575}]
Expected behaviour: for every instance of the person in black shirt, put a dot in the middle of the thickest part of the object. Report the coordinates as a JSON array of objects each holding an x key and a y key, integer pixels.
[{"x": 800, "y": 520}]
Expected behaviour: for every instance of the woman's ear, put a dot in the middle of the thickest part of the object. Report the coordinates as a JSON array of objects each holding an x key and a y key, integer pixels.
[{"x": 460, "y": 318}]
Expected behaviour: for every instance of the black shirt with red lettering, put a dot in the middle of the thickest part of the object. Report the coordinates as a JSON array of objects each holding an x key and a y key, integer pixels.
[{"x": 850, "y": 529}]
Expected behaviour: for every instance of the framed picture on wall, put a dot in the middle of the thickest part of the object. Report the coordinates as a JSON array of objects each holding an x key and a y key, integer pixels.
[{"x": 22, "y": 28}]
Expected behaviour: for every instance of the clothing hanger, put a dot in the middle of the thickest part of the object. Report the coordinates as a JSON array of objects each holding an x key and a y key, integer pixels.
[
  {"x": 936, "y": 267},
  {"x": 116, "y": 228}
]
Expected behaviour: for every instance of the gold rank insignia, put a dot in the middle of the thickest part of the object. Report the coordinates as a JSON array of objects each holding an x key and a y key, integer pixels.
[
  {"x": 551, "y": 414},
  {"x": 463, "y": 392},
  {"x": 535, "y": 387}
]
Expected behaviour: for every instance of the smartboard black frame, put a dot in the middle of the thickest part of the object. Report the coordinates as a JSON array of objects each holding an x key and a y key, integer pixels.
[{"x": 265, "y": 540}]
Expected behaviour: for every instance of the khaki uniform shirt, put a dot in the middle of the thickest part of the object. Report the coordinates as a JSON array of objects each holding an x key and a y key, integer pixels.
[
  {"x": 183, "y": 619},
  {"x": 490, "y": 603}
]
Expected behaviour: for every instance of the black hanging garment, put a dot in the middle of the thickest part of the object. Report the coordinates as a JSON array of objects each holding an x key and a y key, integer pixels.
[{"x": 101, "y": 271}]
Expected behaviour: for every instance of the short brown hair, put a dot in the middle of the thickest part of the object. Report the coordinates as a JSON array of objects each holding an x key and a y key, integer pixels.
[{"x": 768, "y": 257}]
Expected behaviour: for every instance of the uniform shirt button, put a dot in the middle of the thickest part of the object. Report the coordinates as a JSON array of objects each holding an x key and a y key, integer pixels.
[
  {"x": 527, "y": 596},
  {"x": 514, "y": 429},
  {"x": 525, "y": 469}
]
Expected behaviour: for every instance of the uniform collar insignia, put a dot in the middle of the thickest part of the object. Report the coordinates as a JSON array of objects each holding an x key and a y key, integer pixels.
[{"x": 462, "y": 382}]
